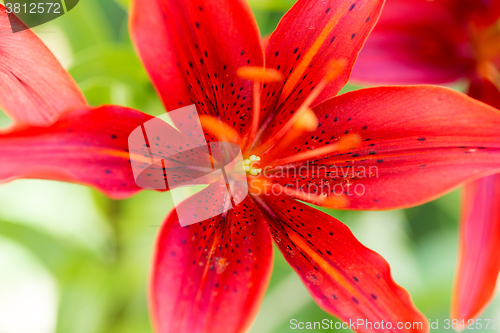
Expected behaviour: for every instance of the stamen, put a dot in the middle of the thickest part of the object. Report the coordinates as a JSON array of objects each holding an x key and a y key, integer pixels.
[
  {"x": 307, "y": 122},
  {"x": 222, "y": 131},
  {"x": 346, "y": 142},
  {"x": 259, "y": 75},
  {"x": 335, "y": 67},
  {"x": 260, "y": 186}
]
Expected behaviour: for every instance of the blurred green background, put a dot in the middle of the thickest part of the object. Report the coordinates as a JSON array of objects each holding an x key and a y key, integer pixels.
[{"x": 74, "y": 261}]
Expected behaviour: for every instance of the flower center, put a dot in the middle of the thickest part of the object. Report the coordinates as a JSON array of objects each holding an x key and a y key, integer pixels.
[{"x": 250, "y": 168}]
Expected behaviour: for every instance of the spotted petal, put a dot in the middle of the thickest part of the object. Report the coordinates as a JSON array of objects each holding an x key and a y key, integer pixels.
[
  {"x": 34, "y": 88},
  {"x": 307, "y": 39},
  {"x": 345, "y": 278},
  {"x": 192, "y": 49},
  {"x": 427, "y": 139},
  {"x": 210, "y": 276},
  {"x": 479, "y": 260},
  {"x": 86, "y": 146}
]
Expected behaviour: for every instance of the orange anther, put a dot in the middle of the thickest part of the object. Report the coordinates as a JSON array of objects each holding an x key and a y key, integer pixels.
[
  {"x": 334, "y": 69},
  {"x": 307, "y": 121},
  {"x": 349, "y": 141},
  {"x": 259, "y": 74}
]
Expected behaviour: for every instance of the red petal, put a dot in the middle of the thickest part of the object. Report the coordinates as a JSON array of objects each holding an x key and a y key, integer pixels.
[
  {"x": 34, "y": 88},
  {"x": 479, "y": 261},
  {"x": 86, "y": 146},
  {"x": 345, "y": 278},
  {"x": 308, "y": 38},
  {"x": 211, "y": 276},
  {"x": 418, "y": 143},
  {"x": 197, "y": 47},
  {"x": 416, "y": 41},
  {"x": 485, "y": 91}
]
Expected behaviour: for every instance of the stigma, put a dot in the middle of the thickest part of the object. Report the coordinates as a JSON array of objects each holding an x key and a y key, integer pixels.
[{"x": 248, "y": 165}]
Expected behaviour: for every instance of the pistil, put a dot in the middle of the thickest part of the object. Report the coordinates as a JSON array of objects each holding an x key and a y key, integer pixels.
[{"x": 248, "y": 165}]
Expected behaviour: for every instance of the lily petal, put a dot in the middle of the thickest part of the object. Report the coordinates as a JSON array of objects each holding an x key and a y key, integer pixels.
[
  {"x": 310, "y": 35},
  {"x": 34, "y": 88},
  {"x": 86, "y": 146},
  {"x": 418, "y": 143},
  {"x": 345, "y": 278},
  {"x": 479, "y": 259},
  {"x": 210, "y": 276},
  {"x": 416, "y": 41},
  {"x": 192, "y": 49}
]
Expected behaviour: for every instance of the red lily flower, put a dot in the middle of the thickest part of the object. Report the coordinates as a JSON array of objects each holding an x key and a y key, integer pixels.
[
  {"x": 419, "y": 41},
  {"x": 210, "y": 277}
]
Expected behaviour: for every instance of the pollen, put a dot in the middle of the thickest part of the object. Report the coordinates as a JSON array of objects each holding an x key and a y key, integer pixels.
[
  {"x": 307, "y": 121},
  {"x": 335, "y": 68},
  {"x": 248, "y": 165},
  {"x": 259, "y": 74}
]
